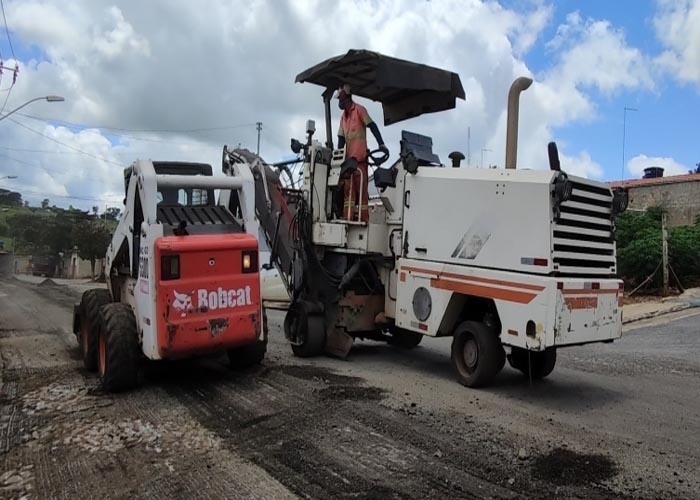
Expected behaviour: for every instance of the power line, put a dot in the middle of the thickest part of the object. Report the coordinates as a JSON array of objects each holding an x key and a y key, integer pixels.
[
  {"x": 7, "y": 30},
  {"x": 64, "y": 144},
  {"x": 143, "y": 130},
  {"x": 49, "y": 195},
  {"x": 46, "y": 168}
]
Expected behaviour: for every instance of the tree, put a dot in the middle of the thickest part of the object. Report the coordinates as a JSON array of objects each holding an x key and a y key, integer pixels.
[
  {"x": 92, "y": 238},
  {"x": 45, "y": 203},
  {"x": 112, "y": 213},
  {"x": 10, "y": 198},
  {"x": 95, "y": 208}
]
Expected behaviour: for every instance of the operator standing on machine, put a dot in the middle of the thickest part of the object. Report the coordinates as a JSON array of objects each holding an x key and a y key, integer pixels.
[{"x": 353, "y": 131}]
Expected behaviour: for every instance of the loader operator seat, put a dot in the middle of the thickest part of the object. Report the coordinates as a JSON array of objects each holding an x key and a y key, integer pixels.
[{"x": 170, "y": 197}]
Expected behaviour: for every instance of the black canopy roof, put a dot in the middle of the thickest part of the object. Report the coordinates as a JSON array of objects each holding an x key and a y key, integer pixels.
[{"x": 405, "y": 89}]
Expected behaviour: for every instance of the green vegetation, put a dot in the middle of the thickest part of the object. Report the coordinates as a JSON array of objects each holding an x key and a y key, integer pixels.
[
  {"x": 639, "y": 246},
  {"x": 49, "y": 231}
]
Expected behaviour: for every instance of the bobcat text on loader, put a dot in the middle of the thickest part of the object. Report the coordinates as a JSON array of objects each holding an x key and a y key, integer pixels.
[
  {"x": 183, "y": 276},
  {"x": 523, "y": 260}
]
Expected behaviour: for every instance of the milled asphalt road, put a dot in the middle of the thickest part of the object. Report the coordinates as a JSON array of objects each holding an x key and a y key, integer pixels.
[{"x": 613, "y": 421}]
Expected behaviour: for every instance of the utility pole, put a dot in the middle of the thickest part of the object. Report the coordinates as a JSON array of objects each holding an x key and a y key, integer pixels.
[
  {"x": 624, "y": 123},
  {"x": 482, "y": 156},
  {"x": 469, "y": 146},
  {"x": 258, "y": 126},
  {"x": 664, "y": 249}
]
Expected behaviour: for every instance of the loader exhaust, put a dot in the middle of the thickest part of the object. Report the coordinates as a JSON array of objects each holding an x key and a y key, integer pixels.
[{"x": 520, "y": 84}]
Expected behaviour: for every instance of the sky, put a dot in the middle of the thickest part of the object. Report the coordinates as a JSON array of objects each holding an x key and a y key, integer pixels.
[{"x": 174, "y": 80}]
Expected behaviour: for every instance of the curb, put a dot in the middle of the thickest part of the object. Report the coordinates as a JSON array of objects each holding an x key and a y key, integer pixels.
[{"x": 655, "y": 314}]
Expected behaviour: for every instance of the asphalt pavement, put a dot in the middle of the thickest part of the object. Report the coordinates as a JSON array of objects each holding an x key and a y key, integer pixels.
[{"x": 612, "y": 421}]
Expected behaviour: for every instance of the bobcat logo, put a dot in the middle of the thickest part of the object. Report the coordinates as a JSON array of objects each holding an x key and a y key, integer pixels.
[{"x": 182, "y": 303}]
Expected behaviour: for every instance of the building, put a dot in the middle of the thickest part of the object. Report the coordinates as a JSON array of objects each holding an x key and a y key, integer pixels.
[{"x": 678, "y": 194}]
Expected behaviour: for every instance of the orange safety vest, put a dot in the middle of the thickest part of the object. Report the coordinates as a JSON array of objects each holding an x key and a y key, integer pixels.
[{"x": 353, "y": 126}]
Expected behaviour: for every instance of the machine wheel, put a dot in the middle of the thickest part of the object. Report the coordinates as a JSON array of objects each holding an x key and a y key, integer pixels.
[
  {"x": 118, "y": 351},
  {"x": 533, "y": 364},
  {"x": 249, "y": 355},
  {"x": 306, "y": 331},
  {"x": 404, "y": 339},
  {"x": 475, "y": 354},
  {"x": 90, "y": 305}
]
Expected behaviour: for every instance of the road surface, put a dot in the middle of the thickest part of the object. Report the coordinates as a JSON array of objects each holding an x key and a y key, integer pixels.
[{"x": 612, "y": 421}]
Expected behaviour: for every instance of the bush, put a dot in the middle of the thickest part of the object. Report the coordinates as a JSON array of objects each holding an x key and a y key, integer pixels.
[{"x": 639, "y": 249}]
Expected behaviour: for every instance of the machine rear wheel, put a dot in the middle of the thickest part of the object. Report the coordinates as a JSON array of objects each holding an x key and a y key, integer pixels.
[
  {"x": 475, "y": 354},
  {"x": 118, "y": 348},
  {"x": 404, "y": 339},
  {"x": 533, "y": 364},
  {"x": 306, "y": 331},
  {"x": 90, "y": 305}
]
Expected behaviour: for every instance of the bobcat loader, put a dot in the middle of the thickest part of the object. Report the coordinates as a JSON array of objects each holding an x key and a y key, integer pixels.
[
  {"x": 182, "y": 276},
  {"x": 511, "y": 263}
]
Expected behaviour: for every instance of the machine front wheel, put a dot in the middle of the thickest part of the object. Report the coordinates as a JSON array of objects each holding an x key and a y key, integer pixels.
[
  {"x": 305, "y": 330},
  {"x": 476, "y": 354}
]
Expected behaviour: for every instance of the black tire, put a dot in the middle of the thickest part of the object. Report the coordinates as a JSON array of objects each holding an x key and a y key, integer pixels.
[
  {"x": 249, "y": 355},
  {"x": 90, "y": 305},
  {"x": 534, "y": 365},
  {"x": 118, "y": 351},
  {"x": 308, "y": 330},
  {"x": 480, "y": 362},
  {"x": 404, "y": 339}
]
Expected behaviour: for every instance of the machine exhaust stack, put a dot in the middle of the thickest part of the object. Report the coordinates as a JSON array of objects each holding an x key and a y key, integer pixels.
[{"x": 520, "y": 84}]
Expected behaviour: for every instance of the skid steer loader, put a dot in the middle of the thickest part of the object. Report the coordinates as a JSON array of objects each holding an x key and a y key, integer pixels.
[
  {"x": 182, "y": 276},
  {"x": 512, "y": 263}
]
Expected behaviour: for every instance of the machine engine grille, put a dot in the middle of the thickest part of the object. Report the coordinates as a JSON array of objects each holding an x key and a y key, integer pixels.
[{"x": 582, "y": 239}]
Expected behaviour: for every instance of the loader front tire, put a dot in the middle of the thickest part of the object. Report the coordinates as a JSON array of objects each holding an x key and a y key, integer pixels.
[
  {"x": 90, "y": 305},
  {"x": 118, "y": 351},
  {"x": 476, "y": 354}
]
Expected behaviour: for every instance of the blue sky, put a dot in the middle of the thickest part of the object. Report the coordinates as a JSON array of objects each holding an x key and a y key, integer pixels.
[
  {"x": 665, "y": 123},
  {"x": 127, "y": 64}
]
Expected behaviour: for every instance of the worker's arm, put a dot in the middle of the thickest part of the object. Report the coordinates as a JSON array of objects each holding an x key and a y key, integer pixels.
[{"x": 375, "y": 132}]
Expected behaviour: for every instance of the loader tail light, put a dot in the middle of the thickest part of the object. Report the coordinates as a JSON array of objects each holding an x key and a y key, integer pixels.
[
  {"x": 170, "y": 267},
  {"x": 250, "y": 261}
]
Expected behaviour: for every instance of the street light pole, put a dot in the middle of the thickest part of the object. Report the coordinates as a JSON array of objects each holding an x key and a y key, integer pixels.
[
  {"x": 624, "y": 122},
  {"x": 482, "y": 156},
  {"x": 47, "y": 98}
]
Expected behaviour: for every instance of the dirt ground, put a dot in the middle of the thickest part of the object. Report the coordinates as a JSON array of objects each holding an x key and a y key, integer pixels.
[{"x": 612, "y": 421}]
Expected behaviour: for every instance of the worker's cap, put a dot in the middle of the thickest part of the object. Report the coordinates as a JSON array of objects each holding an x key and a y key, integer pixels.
[{"x": 344, "y": 91}]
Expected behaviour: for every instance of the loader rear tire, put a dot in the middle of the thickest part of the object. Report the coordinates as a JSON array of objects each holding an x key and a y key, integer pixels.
[
  {"x": 533, "y": 364},
  {"x": 90, "y": 305},
  {"x": 118, "y": 351},
  {"x": 245, "y": 356},
  {"x": 475, "y": 354}
]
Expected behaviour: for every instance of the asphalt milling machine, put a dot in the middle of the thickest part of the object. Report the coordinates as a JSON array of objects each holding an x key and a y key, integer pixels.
[{"x": 512, "y": 263}]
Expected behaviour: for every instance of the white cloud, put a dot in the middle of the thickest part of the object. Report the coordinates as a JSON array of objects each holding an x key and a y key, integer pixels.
[
  {"x": 637, "y": 165},
  {"x": 175, "y": 65},
  {"x": 676, "y": 23}
]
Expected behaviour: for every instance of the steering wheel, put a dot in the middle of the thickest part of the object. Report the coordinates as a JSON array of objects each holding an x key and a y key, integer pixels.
[{"x": 377, "y": 157}]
